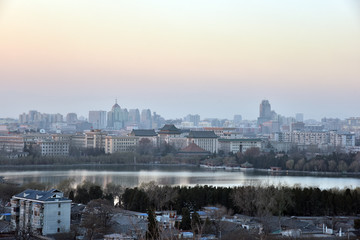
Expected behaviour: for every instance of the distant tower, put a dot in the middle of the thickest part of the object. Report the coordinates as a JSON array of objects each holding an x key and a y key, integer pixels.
[
  {"x": 146, "y": 120},
  {"x": 299, "y": 117},
  {"x": 71, "y": 118},
  {"x": 115, "y": 120},
  {"x": 134, "y": 116},
  {"x": 97, "y": 119},
  {"x": 265, "y": 112},
  {"x": 237, "y": 120}
]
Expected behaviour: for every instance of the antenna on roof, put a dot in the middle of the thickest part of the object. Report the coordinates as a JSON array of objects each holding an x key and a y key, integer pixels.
[{"x": 115, "y": 100}]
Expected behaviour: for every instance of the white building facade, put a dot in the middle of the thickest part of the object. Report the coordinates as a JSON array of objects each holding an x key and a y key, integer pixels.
[
  {"x": 239, "y": 144},
  {"x": 40, "y": 212},
  {"x": 120, "y": 144}
]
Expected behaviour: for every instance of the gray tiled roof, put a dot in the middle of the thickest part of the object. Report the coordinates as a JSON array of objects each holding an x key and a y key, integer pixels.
[
  {"x": 169, "y": 129},
  {"x": 143, "y": 132},
  {"x": 48, "y": 196},
  {"x": 202, "y": 134},
  {"x": 240, "y": 140}
]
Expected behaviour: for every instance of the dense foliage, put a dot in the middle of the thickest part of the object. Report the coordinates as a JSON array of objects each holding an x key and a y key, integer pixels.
[
  {"x": 146, "y": 154},
  {"x": 249, "y": 200}
]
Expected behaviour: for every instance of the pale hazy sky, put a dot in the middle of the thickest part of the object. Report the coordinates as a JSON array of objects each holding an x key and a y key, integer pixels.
[{"x": 212, "y": 57}]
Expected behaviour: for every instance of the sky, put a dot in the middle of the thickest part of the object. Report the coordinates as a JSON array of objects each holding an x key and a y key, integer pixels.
[{"x": 211, "y": 57}]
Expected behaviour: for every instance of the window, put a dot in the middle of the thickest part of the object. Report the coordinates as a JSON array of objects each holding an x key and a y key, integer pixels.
[
  {"x": 59, "y": 213},
  {"x": 59, "y": 205},
  {"x": 58, "y": 230}
]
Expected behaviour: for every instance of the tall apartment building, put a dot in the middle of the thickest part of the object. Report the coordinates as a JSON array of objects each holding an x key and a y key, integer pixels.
[
  {"x": 40, "y": 212},
  {"x": 71, "y": 118},
  {"x": 146, "y": 119},
  {"x": 97, "y": 119},
  {"x": 195, "y": 119},
  {"x": 265, "y": 112},
  {"x": 134, "y": 116}
]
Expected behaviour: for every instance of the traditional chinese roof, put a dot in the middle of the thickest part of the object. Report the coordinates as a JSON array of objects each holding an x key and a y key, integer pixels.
[
  {"x": 52, "y": 195},
  {"x": 202, "y": 134},
  {"x": 169, "y": 129},
  {"x": 143, "y": 133},
  {"x": 193, "y": 149}
]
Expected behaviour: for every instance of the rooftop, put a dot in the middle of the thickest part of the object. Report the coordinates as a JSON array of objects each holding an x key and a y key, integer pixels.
[
  {"x": 143, "y": 133},
  {"x": 240, "y": 140},
  {"x": 193, "y": 148},
  {"x": 202, "y": 134},
  {"x": 48, "y": 196},
  {"x": 169, "y": 129}
]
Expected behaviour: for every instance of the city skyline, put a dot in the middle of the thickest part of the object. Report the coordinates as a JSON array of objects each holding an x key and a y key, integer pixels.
[
  {"x": 270, "y": 114},
  {"x": 215, "y": 59}
]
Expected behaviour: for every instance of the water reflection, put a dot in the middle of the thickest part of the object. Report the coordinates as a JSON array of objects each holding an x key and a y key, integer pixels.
[{"x": 131, "y": 176}]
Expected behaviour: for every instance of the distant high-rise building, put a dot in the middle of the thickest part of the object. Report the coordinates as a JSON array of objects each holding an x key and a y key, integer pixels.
[
  {"x": 97, "y": 119},
  {"x": 71, "y": 118},
  {"x": 237, "y": 120},
  {"x": 195, "y": 119},
  {"x": 32, "y": 115},
  {"x": 134, "y": 116},
  {"x": 55, "y": 118},
  {"x": 146, "y": 121},
  {"x": 299, "y": 117},
  {"x": 265, "y": 112},
  {"x": 115, "y": 117},
  {"x": 157, "y": 121},
  {"x": 124, "y": 117}
]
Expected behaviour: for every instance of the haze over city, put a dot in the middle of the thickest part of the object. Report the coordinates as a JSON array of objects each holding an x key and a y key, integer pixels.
[{"x": 177, "y": 57}]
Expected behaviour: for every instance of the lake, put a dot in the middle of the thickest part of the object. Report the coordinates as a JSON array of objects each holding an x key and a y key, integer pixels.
[{"x": 131, "y": 176}]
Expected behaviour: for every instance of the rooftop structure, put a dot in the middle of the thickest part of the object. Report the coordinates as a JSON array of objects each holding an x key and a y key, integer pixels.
[
  {"x": 143, "y": 133},
  {"x": 40, "y": 212}
]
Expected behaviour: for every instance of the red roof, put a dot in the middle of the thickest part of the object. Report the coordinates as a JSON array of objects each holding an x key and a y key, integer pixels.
[{"x": 193, "y": 148}]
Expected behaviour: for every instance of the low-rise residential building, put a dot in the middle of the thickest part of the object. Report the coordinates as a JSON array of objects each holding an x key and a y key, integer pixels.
[
  {"x": 221, "y": 131},
  {"x": 239, "y": 144},
  {"x": 95, "y": 139},
  {"x": 78, "y": 140},
  {"x": 169, "y": 134},
  {"x": 206, "y": 140},
  {"x": 40, "y": 212},
  {"x": 169, "y": 131},
  {"x": 149, "y": 134},
  {"x": 54, "y": 148},
  {"x": 120, "y": 144},
  {"x": 316, "y": 138},
  {"x": 12, "y": 143}
]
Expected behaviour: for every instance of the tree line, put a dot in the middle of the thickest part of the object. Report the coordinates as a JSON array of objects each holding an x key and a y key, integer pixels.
[
  {"x": 294, "y": 160},
  {"x": 252, "y": 200}
]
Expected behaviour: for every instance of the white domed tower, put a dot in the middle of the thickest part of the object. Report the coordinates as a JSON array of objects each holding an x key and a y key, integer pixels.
[{"x": 115, "y": 118}]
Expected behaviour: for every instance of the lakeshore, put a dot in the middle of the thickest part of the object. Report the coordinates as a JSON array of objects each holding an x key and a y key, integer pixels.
[{"x": 130, "y": 175}]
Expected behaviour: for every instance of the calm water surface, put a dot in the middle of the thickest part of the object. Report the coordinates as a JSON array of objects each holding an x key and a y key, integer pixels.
[{"x": 131, "y": 176}]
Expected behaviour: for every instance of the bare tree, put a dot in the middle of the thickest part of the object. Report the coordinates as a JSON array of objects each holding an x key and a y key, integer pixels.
[
  {"x": 244, "y": 198},
  {"x": 116, "y": 191},
  {"x": 97, "y": 216},
  {"x": 66, "y": 186},
  {"x": 280, "y": 201}
]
